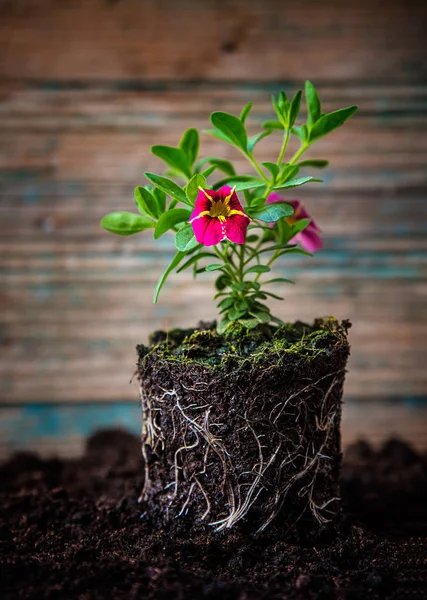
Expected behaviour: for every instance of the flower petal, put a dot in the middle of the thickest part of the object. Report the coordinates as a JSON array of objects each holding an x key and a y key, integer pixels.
[
  {"x": 235, "y": 228},
  {"x": 202, "y": 203},
  {"x": 208, "y": 231},
  {"x": 309, "y": 239}
]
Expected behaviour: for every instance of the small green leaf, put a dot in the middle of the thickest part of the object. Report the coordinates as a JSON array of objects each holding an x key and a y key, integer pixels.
[
  {"x": 249, "y": 323},
  {"x": 301, "y": 132},
  {"x": 231, "y": 181},
  {"x": 300, "y": 226},
  {"x": 261, "y": 316},
  {"x": 278, "y": 280},
  {"x": 270, "y": 213},
  {"x": 214, "y": 267},
  {"x": 222, "y": 282},
  {"x": 314, "y": 110},
  {"x": 251, "y": 238},
  {"x": 253, "y": 141},
  {"x": 258, "y": 269},
  {"x": 174, "y": 157},
  {"x": 272, "y": 124},
  {"x": 194, "y": 259},
  {"x": 288, "y": 172},
  {"x": 168, "y": 186},
  {"x": 273, "y": 168},
  {"x": 125, "y": 223},
  {"x": 295, "y": 183},
  {"x": 160, "y": 197},
  {"x": 146, "y": 203},
  {"x": 169, "y": 219},
  {"x": 294, "y": 109},
  {"x": 234, "y": 313},
  {"x": 208, "y": 171},
  {"x": 315, "y": 163},
  {"x": 223, "y": 165},
  {"x": 193, "y": 185},
  {"x": 218, "y": 134},
  {"x": 295, "y": 251},
  {"x": 331, "y": 121},
  {"x": 231, "y": 127},
  {"x": 190, "y": 143},
  {"x": 283, "y": 103},
  {"x": 249, "y": 185},
  {"x": 222, "y": 325},
  {"x": 175, "y": 262},
  {"x": 245, "y": 112},
  {"x": 185, "y": 239}
]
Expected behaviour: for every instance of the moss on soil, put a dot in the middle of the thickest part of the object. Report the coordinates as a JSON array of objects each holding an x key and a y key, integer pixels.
[{"x": 263, "y": 346}]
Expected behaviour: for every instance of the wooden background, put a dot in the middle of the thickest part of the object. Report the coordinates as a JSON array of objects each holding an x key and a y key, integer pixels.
[{"x": 86, "y": 86}]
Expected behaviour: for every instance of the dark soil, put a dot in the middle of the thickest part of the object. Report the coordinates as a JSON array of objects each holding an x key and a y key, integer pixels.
[
  {"x": 243, "y": 429},
  {"x": 73, "y": 529}
]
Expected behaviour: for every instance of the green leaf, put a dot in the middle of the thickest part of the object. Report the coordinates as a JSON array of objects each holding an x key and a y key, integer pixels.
[
  {"x": 231, "y": 127},
  {"x": 185, "y": 239},
  {"x": 146, "y": 203},
  {"x": 270, "y": 213},
  {"x": 295, "y": 251},
  {"x": 174, "y": 157},
  {"x": 193, "y": 185},
  {"x": 261, "y": 316},
  {"x": 169, "y": 219},
  {"x": 195, "y": 258},
  {"x": 160, "y": 197},
  {"x": 218, "y": 134},
  {"x": 273, "y": 168},
  {"x": 278, "y": 280},
  {"x": 314, "y": 110},
  {"x": 301, "y": 132},
  {"x": 281, "y": 113},
  {"x": 249, "y": 323},
  {"x": 258, "y": 269},
  {"x": 222, "y": 282},
  {"x": 222, "y": 325},
  {"x": 288, "y": 172},
  {"x": 294, "y": 109},
  {"x": 295, "y": 183},
  {"x": 245, "y": 112},
  {"x": 231, "y": 181},
  {"x": 253, "y": 141},
  {"x": 208, "y": 171},
  {"x": 168, "y": 186},
  {"x": 315, "y": 163},
  {"x": 190, "y": 143},
  {"x": 331, "y": 121},
  {"x": 272, "y": 124},
  {"x": 251, "y": 238},
  {"x": 125, "y": 223},
  {"x": 249, "y": 185},
  {"x": 214, "y": 267},
  {"x": 175, "y": 262},
  {"x": 223, "y": 165},
  {"x": 300, "y": 226},
  {"x": 234, "y": 313}
]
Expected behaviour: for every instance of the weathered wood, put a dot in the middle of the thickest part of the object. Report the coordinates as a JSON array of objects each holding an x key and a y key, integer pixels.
[
  {"x": 87, "y": 86},
  {"x": 89, "y": 40}
]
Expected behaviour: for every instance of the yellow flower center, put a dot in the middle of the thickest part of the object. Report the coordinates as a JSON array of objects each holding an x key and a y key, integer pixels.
[{"x": 220, "y": 209}]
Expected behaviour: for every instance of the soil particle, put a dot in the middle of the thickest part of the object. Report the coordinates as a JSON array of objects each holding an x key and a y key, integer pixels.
[{"x": 74, "y": 529}]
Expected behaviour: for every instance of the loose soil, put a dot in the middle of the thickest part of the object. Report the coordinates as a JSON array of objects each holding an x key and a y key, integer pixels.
[
  {"x": 73, "y": 529},
  {"x": 242, "y": 429}
]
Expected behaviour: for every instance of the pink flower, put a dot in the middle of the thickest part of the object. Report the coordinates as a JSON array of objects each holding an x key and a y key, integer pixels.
[
  {"x": 218, "y": 215},
  {"x": 309, "y": 238}
]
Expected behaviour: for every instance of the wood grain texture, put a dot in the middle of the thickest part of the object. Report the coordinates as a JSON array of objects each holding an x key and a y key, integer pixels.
[
  {"x": 231, "y": 40},
  {"x": 87, "y": 86}
]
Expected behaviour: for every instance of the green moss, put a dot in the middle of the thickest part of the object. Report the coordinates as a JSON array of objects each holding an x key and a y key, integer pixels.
[{"x": 263, "y": 346}]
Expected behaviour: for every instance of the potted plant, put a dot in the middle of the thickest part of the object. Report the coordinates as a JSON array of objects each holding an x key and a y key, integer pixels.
[{"x": 240, "y": 419}]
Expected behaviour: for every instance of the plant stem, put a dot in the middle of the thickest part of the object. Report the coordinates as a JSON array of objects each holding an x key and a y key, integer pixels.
[
  {"x": 298, "y": 153},
  {"x": 257, "y": 167},
  {"x": 283, "y": 149}
]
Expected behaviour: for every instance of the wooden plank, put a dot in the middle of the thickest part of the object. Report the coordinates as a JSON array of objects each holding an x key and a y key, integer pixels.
[
  {"x": 58, "y": 430},
  {"x": 252, "y": 40}
]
